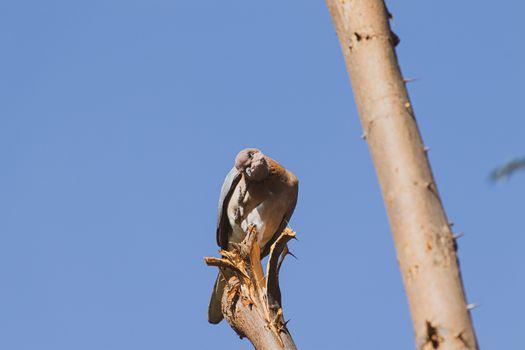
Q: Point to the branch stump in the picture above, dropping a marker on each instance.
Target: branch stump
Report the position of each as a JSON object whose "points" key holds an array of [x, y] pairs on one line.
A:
{"points": [[251, 302]]}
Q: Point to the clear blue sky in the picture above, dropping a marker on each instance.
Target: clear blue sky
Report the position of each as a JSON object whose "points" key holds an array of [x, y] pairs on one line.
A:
{"points": [[120, 119]]}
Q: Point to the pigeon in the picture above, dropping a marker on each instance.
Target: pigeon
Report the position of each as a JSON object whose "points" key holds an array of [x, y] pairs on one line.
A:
{"points": [[257, 191]]}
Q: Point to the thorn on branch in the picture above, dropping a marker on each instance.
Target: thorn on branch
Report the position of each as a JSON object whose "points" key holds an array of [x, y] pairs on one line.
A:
{"points": [[292, 254], [455, 240], [394, 39], [458, 235], [472, 306], [410, 80]]}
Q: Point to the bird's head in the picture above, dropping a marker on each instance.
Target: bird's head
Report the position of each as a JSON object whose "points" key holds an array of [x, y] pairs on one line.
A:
{"points": [[253, 164]]}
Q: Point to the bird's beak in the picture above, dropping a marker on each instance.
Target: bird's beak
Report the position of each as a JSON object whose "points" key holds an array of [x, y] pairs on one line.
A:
{"points": [[248, 171]]}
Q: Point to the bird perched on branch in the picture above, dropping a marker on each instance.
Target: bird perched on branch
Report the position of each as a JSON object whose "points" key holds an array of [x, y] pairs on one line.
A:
{"points": [[257, 191]]}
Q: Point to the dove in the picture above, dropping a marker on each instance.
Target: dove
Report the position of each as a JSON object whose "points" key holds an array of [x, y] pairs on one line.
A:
{"points": [[257, 191]]}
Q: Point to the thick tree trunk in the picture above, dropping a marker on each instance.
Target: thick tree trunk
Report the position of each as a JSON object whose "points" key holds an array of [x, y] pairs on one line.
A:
{"points": [[422, 234], [251, 303]]}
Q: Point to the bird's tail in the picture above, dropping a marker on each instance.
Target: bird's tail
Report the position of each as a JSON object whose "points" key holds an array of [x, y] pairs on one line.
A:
{"points": [[214, 309]]}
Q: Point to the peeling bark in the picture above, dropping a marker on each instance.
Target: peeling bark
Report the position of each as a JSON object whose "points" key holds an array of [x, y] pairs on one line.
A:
{"points": [[251, 302], [425, 245]]}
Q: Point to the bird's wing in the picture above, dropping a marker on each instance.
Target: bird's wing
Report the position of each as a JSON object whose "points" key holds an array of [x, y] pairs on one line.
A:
{"points": [[223, 224], [283, 224]]}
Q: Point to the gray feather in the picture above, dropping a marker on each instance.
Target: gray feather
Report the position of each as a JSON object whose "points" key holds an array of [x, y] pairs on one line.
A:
{"points": [[214, 308], [227, 189]]}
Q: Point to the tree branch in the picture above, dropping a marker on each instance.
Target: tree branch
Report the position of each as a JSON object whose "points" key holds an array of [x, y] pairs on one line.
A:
{"points": [[251, 303], [422, 235]]}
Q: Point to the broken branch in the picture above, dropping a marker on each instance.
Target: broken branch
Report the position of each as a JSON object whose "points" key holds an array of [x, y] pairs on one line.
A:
{"points": [[259, 315]]}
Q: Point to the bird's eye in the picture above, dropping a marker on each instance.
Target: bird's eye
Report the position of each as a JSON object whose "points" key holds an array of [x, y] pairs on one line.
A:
{"points": [[250, 155]]}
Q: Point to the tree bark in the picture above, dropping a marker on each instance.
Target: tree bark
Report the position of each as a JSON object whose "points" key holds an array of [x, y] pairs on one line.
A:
{"points": [[251, 303], [424, 242]]}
